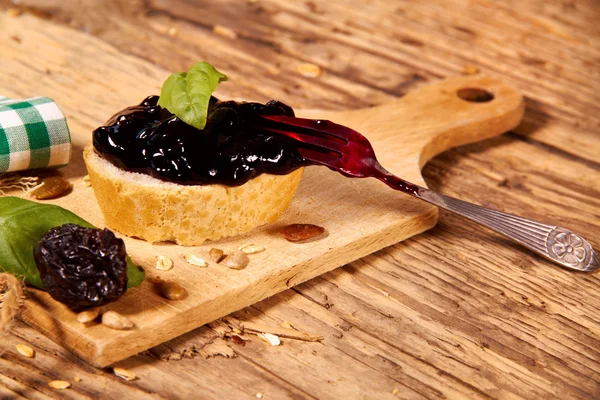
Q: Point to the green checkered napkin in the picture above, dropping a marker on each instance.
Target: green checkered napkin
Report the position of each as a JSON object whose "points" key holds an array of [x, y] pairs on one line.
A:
{"points": [[33, 134]]}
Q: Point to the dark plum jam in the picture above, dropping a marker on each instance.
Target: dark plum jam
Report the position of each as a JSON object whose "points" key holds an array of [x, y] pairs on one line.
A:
{"points": [[230, 150]]}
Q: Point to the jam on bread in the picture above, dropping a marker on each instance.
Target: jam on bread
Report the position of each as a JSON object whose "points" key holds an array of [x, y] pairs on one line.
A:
{"points": [[230, 150]]}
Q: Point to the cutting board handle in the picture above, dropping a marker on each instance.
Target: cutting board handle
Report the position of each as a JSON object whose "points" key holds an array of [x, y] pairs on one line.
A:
{"points": [[457, 111], [438, 116]]}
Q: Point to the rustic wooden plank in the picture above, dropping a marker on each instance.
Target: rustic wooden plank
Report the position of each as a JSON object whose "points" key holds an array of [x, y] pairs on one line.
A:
{"points": [[525, 41]]}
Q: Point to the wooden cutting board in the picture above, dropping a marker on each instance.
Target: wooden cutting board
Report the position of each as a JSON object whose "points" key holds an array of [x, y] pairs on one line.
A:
{"points": [[91, 80]]}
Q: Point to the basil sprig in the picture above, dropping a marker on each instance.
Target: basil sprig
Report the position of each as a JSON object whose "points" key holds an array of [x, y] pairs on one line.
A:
{"points": [[187, 94], [23, 223]]}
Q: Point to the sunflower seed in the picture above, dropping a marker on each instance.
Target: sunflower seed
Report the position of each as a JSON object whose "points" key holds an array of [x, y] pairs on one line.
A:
{"points": [[164, 263], [470, 70], [172, 31], [309, 70], [251, 248], [123, 373], [14, 12], [195, 260], [25, 350], [225, 31], [59, 385], [87, 316], [114, 320], [286, 325], [272, 339]]}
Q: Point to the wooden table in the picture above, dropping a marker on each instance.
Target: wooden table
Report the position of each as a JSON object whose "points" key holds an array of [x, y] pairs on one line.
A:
{"points": [[457, 312]]}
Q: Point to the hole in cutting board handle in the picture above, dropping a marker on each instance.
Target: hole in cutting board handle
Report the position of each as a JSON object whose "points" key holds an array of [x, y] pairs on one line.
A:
{"points": [[475, 95]]}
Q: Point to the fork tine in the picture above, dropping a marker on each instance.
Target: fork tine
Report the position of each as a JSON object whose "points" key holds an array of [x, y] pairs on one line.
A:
{"points": [[311, 141], [324, 127]]}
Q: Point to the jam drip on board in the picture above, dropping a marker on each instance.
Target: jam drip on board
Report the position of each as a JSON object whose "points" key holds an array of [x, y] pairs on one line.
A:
{"points": [[230, 150]]}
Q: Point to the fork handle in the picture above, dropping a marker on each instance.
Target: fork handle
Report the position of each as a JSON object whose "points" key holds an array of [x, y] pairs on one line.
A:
{"points": [[557, 244]]}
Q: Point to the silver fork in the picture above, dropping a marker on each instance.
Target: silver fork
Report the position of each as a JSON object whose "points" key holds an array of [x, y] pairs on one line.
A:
{"points": [[348, 152]]}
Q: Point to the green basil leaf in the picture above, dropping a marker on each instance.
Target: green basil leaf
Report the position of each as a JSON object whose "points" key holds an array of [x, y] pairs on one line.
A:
{"points": [[23, 223], [187, 94]]}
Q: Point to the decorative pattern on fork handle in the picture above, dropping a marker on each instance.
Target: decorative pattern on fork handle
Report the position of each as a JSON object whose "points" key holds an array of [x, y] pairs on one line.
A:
{"points": [[555, 243]]}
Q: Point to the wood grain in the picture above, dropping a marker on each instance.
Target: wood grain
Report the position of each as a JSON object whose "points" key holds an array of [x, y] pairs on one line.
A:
{"points": [[404, 133], [502, 323]]}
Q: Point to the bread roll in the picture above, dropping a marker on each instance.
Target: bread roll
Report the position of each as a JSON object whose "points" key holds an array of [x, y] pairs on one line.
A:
{"points": [[142, 206]]}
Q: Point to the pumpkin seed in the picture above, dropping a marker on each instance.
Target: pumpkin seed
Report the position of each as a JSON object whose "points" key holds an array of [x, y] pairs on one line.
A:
{"points": [[301, 232], [172, 290], [237, 260], [216, 254], [52, 186]]}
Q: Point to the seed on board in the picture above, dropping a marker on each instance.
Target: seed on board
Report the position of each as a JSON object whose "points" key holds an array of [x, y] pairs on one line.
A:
{"points": [[272, 339], [86, 181], [172, 290], [470, 70], [87, 316], [114, 320], [251, 248], [14, 12], [225, 31], [123, 373], [172, 31], [309, 70], [59, 385], [51, 187], [238, 340], [25, 350], [195, 260], [301, 232], [77, 379], [259, 395], [237, 260], [164, 263], [395, 391], [286, 325], [216, 254]]}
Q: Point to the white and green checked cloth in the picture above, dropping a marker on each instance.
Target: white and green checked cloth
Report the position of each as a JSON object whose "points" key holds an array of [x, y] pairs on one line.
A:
{"points": [[33, 134]]}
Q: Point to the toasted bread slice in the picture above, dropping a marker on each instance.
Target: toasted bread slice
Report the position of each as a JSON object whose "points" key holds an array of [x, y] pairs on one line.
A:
{"points": [[142, 206]]}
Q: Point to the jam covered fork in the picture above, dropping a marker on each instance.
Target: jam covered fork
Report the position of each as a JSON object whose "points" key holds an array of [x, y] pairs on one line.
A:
{"points": [[348, 152]]}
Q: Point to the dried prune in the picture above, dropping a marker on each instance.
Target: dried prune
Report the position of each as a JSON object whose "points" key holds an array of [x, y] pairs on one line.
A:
{"points": [[82, 267]]}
